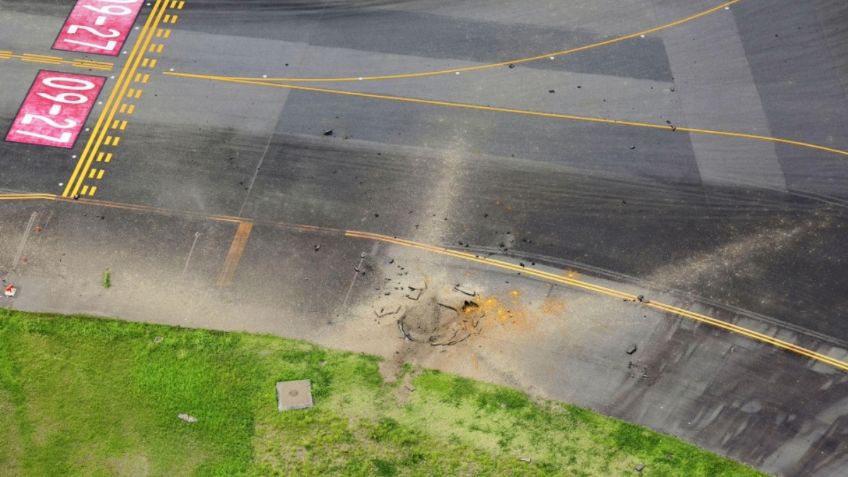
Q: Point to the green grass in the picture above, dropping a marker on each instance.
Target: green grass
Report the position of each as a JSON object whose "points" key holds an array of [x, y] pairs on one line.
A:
{"points": [[83, 396]]}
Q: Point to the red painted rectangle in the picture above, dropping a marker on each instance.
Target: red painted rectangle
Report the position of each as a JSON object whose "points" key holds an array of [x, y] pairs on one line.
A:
{"points": [[98, 26], [55, 109]]}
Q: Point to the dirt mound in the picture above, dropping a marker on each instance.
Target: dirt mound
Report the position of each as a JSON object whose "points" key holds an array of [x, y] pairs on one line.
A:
{"points": [[441, 321]]}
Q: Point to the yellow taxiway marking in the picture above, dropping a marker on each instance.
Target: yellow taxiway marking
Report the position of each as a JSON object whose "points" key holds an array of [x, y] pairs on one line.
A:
{"points": [[55, 60], [228, 272], [564, 278], [522, 112], [119, 91], [545, 56]]}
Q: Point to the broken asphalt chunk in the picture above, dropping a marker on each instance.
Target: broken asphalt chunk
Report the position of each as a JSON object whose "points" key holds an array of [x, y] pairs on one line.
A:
{"points": [[464, 290]]}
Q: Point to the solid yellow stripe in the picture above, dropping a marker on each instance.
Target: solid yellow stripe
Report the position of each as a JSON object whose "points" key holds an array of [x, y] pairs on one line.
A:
{"points": [[523, 112]]}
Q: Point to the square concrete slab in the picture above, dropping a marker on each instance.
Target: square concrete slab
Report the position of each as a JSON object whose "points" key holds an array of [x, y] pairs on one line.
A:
{"points": [[294, 395]]}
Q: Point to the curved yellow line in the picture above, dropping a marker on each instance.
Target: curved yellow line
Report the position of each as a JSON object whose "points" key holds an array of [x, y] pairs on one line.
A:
{"points": [[730, 327], [517, 61], [523, 112]]}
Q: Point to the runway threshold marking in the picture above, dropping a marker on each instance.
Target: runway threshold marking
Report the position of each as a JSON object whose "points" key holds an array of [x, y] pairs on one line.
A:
{"points": [[545, 56], [524, 112], [563, 278], [231, 263], [55, 60], [126, 90]]}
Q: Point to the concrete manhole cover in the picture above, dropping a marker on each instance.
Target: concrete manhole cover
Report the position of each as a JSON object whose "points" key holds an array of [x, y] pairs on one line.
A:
{"points": [[294, 395]]}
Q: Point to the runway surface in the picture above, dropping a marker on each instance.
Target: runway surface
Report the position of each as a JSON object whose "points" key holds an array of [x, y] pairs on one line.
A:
{"points": [[259, 153]]}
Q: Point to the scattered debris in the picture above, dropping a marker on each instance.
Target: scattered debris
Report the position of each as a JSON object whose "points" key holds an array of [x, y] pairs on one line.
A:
{"points": [[383, 311], [464, 291], [525, 459], [552, 91], [632, 349], [10, 290], [328, 132], [511, 66], [414, 293], [294, 395], [158, 339], [187, 418], [639, 467], [317, 247]]}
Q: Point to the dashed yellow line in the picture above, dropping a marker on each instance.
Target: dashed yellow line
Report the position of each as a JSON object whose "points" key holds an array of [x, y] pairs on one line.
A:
{"points": [[545, 56], [524, 112]]}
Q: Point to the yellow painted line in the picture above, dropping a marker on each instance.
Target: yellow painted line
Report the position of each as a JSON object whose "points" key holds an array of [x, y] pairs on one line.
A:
{"points": [[167, 34], [160, 47], [55, 60], [100, 156], [180, 4], [31, 59], [167, 19], [42, 57], [131, 109], [116, 140], [108, 158], [92, 173], [144, 78], [243, 232], [145, 62], [118, 92], [545, 56], [100, 174], [108, 141], [122, 125], [123, 108], [13, 197], [85, 190], [524, 112], [730, 327], [92, 191], [153, 63], [234, 254], [173, 19], [115, 124], [137, 94]]}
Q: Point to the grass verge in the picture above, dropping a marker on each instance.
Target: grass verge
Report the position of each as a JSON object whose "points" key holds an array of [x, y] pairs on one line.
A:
{"points": [[84, 396]]}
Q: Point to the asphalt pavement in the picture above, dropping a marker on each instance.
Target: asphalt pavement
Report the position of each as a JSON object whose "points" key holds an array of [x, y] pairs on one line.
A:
{"points": [[693, 149]]}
